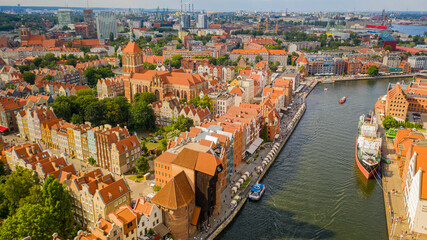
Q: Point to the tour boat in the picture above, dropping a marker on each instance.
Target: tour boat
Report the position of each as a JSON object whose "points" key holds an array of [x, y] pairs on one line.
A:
{"points": [[342, 100], [257, 191], [368, 145]]}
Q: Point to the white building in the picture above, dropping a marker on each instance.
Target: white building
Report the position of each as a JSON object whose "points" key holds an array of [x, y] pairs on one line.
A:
{"points": [[202, 21], [415, 193], [106, 24], [150, 216], [418, 62]]}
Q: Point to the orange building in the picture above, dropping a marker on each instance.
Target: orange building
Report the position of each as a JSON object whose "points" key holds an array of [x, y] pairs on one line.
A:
{"points": [[162, 83], [402, 98], [402, 143], [163, 168], [177, 200]]}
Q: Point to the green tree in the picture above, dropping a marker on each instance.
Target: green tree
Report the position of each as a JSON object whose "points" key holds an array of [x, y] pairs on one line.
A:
{"points": [[30, 220], [77, 118], [23, 68], [37, 61], [176, 61], [17, 187], [29, 77], [92, 75], [95, 113], [70, 43], [111, 37], [83, 92], [149, 66], [124, 108], [63, 107], [205, 102], [144, 149], [164, 143], [147, 97], [388, 48], [91, 161], [48, 77], [389, 122], [142, 165], [71, 62], [2, 169], [258, 58], [59, 204], [372, 70], [142, 116]]}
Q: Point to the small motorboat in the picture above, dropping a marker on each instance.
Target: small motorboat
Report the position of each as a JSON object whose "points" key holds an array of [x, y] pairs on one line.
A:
{"points": [[257, 191], [326, 89], [342, 100]]}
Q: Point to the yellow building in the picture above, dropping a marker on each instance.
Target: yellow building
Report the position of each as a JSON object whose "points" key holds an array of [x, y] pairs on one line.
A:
{"points": [[71, 143]]}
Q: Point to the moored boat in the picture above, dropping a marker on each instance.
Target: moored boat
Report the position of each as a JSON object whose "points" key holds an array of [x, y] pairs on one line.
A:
{"points": [[368, 146], [257, 191], [342, 100]]}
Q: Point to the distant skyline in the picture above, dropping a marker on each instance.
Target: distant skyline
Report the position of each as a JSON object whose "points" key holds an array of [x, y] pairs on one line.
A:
{"points": [[233, 5]]}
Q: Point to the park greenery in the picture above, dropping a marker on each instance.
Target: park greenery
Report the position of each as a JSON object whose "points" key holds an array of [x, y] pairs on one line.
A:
{"points": [[85, 107], [31, 208], [92, 75], [391, 122]]}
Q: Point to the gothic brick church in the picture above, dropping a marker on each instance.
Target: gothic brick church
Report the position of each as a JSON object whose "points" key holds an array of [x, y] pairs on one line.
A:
{"points": [[165, 84]]}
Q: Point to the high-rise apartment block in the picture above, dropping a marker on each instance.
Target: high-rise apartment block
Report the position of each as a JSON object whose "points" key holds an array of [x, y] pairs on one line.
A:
{"points": [[106, 24], [202, 21], [89, 20], [65, 17]]}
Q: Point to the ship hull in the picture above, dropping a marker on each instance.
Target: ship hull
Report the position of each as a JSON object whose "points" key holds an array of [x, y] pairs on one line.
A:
{"points": [[367, 171]]}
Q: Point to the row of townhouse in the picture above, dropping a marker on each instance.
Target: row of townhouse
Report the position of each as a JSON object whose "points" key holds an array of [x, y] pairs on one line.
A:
{"points": [[127, 223], [111, 147], [99, 63], [63, 74], [23, 52], [94, 194], [168, 110], [201, 161], [322, 64], [280, 56], [110, 87], [22, 89]]}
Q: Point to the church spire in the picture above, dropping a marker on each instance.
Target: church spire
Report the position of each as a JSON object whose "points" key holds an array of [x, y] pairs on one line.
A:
{"points": [[131, 34]]}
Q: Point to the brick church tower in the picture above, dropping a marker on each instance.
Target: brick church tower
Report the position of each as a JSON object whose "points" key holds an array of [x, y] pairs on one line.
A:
{"points": [[132, 58], [132, 62]]}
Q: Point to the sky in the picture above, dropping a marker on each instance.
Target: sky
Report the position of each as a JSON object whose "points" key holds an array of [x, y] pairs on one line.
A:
{"points": [[233, 5]]}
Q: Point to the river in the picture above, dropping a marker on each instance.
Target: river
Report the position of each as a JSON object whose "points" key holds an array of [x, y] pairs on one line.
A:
{"points": [[314, 190], [410, 29]]}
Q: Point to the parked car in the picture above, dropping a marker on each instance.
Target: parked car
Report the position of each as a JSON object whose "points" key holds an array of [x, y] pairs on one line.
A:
{"points": [[142, 138], [158, 137], [416, 114], [153, 141]]}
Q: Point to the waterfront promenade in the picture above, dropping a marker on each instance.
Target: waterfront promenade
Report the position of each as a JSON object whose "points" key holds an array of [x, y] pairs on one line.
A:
{"points": [[396, 218], [331, 79], [215, 225]]}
